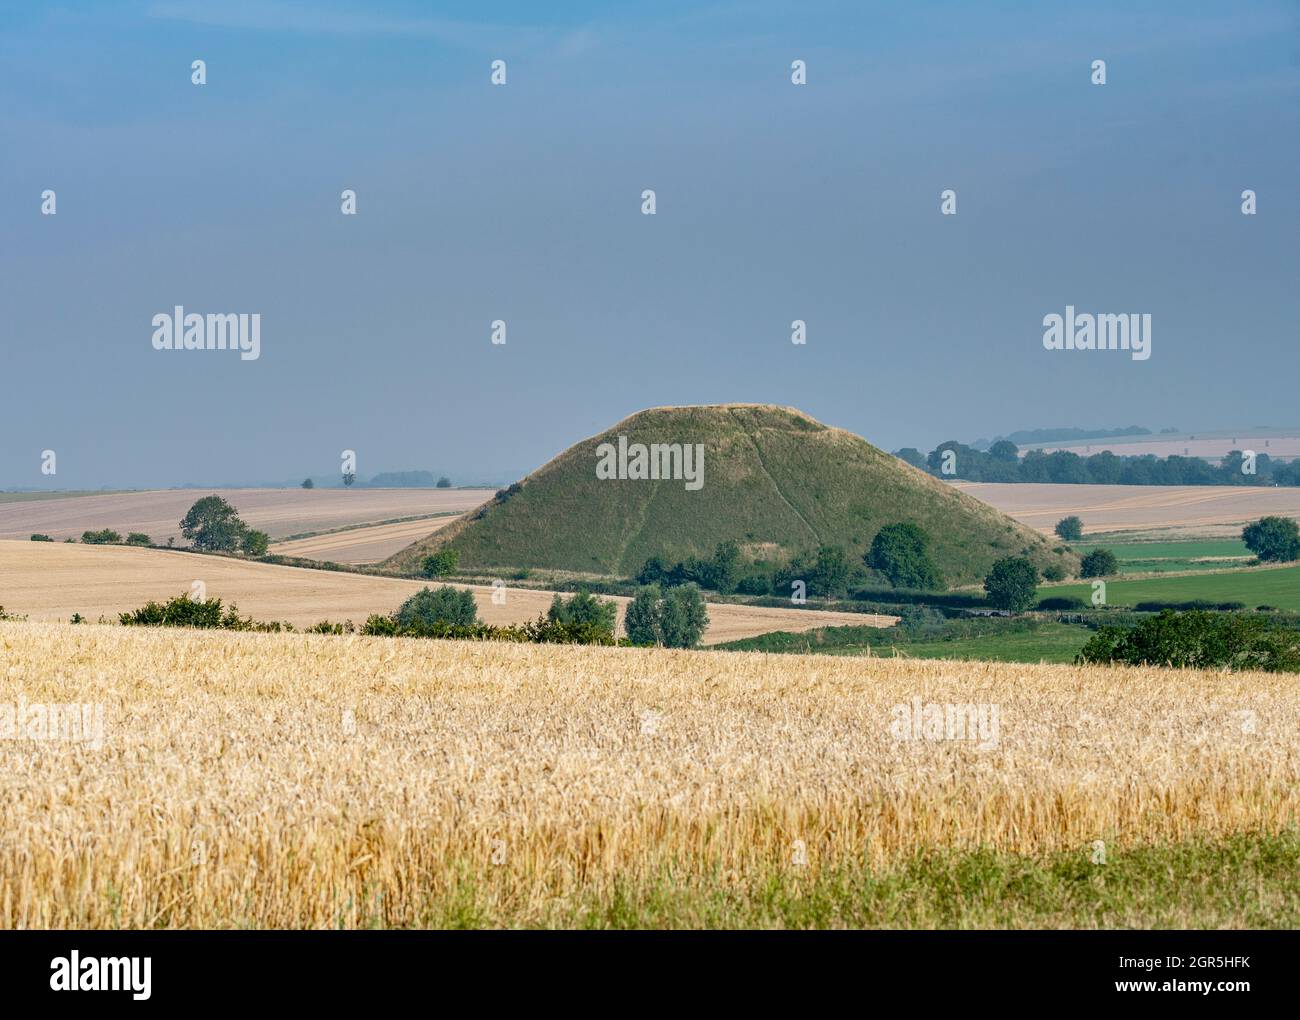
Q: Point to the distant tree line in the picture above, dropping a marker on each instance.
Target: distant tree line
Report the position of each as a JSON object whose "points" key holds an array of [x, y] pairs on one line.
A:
{"points": [[1002, 463]]}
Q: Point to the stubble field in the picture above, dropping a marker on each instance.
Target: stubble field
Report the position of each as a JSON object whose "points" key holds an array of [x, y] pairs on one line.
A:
{"points": [[278, 512], [309, 781], [45, 581], [1214, 509]]}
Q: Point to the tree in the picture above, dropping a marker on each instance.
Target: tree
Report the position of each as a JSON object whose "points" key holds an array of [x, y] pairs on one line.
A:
{"points": [[831, 573], [642, 621], [213, 525], [655, 571], [1012, 584], [448, 605], [1198, 640], [584, 608], [1005, 451], [138, 538], [441, 563], [106, 537], [38, 537], [1273, 539], [911, 455], [254, 542], [444, 483], [683, 617], [349, 477], [307, 483], [901, 553], [723, 571], [1099, 563], [1070, 528]]}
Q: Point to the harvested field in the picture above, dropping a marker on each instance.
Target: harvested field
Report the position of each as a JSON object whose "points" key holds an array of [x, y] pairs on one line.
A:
{"points": [[310, 781], [278, 512], [1130, 507], [368, 544], [52, 581]]}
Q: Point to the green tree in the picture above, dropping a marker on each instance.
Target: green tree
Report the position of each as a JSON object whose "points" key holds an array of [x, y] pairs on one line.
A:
{"points": [[831, 573], [138, 538], [724, 569], [1070, 528], [254, 542], [41, 538], [307, 483], [453, 606], [683, 617], [1099, 563], [1012, 584], [1273, 539], [1005, 451], [584, 608], [441, 563], [902, 553], [349, 477], [444, 483], [642, 621], [213, 525]]}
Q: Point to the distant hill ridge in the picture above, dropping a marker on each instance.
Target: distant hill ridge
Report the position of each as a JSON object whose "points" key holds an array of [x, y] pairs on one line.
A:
{"points": [[774, 480]]}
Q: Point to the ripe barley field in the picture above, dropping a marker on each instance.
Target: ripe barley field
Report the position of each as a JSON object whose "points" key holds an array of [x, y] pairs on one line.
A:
{"points": [[309, 781]]}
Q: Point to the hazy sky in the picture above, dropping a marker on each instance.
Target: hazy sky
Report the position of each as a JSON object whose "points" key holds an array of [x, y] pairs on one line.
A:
{"points": [[775, 202]]}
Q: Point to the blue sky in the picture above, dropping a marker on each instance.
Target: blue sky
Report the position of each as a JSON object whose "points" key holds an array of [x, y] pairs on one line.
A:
{"points": [[522, 203]]}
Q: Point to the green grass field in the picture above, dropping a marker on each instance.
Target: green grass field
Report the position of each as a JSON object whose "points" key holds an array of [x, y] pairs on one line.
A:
{"points": [[1253, 586], [1162, 557], [1044, 642]]}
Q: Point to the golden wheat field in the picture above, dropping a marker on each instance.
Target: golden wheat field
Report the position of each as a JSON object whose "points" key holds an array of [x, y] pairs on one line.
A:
{"points": [[52, 581], [312, 781]]}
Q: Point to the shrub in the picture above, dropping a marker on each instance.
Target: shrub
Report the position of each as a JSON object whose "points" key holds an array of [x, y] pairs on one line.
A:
{"points": [[444, 483], [41, 538], [138, 538], [1099, 563], [755, 584], [106, 537], [446, 605], [1012, 584], [1062, 603], [584, 609], [1275, 539], [183, 611], [1198, 640], [1054, 572], [441, 563], [901, 553], [1070, 528]]}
